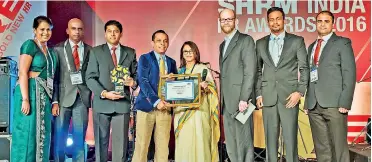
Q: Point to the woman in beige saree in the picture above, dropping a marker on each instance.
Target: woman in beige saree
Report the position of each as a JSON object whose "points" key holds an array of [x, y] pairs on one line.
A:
{"points": [[197, 130]]}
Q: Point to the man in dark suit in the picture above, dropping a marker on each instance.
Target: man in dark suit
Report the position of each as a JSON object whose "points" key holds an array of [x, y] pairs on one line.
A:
{"points": [[238, 72], [279, 87], [73, 95], [110, 107], [151, 110], [330, 91]]}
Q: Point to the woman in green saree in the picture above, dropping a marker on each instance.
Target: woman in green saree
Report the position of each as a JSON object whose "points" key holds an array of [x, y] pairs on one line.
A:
{"points": [[197, 130], [33, 95]]}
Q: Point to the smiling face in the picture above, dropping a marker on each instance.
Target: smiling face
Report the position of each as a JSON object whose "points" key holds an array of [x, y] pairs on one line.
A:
{"points": [[160, 43], [43, 32], [276, 22], [113, 34], [188, 53]]}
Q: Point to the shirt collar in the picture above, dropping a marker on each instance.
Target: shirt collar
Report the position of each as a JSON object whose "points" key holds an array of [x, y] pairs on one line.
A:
{"points": [[72, 44], [229, 37], [326, 38], [280, 36], [110, 46], [159, 55]]}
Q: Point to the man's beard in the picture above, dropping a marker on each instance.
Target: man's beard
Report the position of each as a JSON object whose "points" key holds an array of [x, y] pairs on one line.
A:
{"points": [[228, 29]]}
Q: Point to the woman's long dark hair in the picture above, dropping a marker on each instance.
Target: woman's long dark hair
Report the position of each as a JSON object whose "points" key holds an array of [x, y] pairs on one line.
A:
{"points": [[194, 48]]}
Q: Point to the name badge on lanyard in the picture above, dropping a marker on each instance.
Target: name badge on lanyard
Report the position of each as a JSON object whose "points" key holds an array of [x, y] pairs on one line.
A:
{"points": [[76, 78], [313, 74]]}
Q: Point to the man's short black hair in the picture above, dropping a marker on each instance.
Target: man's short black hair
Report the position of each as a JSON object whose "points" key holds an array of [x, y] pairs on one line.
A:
{"points": [[114, 22], [272, 9], [158, 31]]}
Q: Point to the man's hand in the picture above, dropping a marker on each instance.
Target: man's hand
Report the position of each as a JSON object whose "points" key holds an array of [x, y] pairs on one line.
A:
{"points": [[129, 82], [306, 111], [293, 99], [55, 109], [112, 95], [243, 106], [161, 105], [343, 110], [259, 102], [170, 77]]}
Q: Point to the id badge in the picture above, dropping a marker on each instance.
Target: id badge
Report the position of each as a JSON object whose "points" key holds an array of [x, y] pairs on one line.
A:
{"points": [[50, 83], [76, 78], [313, 75]]}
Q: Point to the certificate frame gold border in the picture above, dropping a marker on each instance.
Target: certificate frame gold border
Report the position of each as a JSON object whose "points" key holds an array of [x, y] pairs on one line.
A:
{"points": [[163, 79]]}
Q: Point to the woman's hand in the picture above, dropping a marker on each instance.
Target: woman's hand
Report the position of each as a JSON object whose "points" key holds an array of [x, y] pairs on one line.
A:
{"points": [[204, 84], [25, 107]]}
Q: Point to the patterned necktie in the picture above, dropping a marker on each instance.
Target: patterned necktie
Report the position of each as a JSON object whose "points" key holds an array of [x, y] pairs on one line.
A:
{"points": [[161, 66], [275, 51], [113, 55], [75, 54], [317, 51]]}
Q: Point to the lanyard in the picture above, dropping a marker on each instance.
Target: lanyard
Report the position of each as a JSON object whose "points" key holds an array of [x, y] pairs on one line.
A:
{"points": [[65, 54], [46, 57]]}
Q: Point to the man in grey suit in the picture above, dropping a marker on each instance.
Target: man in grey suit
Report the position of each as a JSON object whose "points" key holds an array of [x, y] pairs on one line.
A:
{"points": [[238, 70], [279, 88], [110, 107], [330, 92], [73, 95]]}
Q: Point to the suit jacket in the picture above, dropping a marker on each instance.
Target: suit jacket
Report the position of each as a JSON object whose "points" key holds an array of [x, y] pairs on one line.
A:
{"points": [[148, 80], [65, 91], [336, 75], [237, 71], [98, 77], [278, 82]]}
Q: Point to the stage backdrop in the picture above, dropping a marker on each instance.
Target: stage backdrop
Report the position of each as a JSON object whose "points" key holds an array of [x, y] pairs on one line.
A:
{"points": [[16, 18], [198, 21]]}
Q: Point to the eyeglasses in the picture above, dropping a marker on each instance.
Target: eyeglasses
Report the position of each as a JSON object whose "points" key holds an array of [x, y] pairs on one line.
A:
{"points": [[227, 20], [187, 52]]}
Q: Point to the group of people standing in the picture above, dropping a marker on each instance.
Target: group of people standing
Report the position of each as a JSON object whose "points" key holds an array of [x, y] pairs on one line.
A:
{"points": [[273, 73]]}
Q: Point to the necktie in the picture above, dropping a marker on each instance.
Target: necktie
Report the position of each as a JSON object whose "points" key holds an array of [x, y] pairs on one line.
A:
{"points": [[75, 54], [113, 55], [275, 51], [317, 51], [161, 66]]}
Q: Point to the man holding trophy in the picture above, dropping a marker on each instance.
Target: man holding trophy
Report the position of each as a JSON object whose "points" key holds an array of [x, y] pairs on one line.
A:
{"points": [[111, 72], [151, 108]]}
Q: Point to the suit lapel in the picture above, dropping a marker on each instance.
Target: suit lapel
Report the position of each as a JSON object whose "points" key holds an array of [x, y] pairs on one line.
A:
{"points": [[155, 62], [268, 55], [123, 54], [286, 46], [69, 56], [85, 51], [221, 51], [327, 47], [107, 52], [231, 45], [309, 53], [169, 65]]}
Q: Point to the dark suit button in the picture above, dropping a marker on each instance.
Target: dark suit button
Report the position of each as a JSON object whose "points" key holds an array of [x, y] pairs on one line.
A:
{"points": [[276, 70]]}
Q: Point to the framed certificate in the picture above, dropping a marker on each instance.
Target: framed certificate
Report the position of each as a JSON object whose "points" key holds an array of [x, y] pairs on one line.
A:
{"points": [[180, 90]]}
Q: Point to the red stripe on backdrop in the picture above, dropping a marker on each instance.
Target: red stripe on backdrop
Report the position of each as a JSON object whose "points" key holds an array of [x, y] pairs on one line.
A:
{"points": [[358, 118], [359, 139], [354, 128]]}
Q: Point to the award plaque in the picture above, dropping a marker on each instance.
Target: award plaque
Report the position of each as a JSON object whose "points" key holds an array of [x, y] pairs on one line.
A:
{"points": [[118, 76], [180, 90]]}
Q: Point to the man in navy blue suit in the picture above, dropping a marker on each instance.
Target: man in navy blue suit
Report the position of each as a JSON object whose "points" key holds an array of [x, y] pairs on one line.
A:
{"points": [[151, 110]]}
